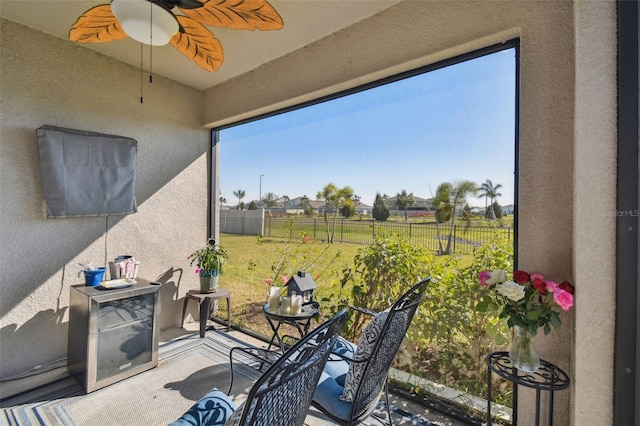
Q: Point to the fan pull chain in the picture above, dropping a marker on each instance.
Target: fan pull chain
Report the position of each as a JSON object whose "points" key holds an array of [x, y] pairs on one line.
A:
{"points": [[150, 63], [141, 72], [150, 42]]}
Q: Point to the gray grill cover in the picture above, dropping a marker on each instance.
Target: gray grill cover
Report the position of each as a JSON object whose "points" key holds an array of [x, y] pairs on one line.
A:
{"points": [[87, 173]]}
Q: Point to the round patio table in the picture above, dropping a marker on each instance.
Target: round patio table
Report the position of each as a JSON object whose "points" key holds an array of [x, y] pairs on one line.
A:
{"points": [[301, 321]]}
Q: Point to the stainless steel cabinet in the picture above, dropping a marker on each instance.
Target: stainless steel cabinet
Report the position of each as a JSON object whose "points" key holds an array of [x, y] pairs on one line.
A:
{"points": [[113, 334]]}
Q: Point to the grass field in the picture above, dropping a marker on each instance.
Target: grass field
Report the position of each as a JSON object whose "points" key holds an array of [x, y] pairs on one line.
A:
{"points": [[247, 287], [467, 235]]}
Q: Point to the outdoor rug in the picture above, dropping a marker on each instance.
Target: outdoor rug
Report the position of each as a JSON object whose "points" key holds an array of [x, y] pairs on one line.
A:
{"points": [[187, 369]]}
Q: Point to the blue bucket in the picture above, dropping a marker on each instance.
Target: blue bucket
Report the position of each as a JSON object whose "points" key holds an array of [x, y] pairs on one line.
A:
{"points": [[94, 278]]}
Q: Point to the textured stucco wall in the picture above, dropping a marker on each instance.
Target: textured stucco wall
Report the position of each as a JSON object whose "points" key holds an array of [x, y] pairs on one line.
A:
{"points": [[45, 80], [566, 151], [594, 210]]}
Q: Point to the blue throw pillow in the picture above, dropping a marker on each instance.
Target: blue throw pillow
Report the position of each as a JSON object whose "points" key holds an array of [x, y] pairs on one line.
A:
{"points": [[211, 410]]}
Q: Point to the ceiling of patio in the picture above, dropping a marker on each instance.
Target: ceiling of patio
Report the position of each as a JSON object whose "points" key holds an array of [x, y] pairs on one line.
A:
{"points": [[305, 21]]}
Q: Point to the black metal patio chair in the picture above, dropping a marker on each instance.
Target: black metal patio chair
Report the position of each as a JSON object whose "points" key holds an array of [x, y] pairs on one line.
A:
{"points": [[352, 383], [282, 395]]}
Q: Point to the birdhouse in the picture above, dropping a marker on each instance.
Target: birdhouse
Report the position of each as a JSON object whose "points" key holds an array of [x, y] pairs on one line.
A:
{"points": [[301, 284]]}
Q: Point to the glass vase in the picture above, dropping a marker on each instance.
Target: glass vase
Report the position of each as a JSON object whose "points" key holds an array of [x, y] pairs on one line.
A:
{"points": [[523, 353]]}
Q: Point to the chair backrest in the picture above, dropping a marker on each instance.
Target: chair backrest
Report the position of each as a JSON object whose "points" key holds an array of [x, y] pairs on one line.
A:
{"points": [[283, 394], [392, 333]]}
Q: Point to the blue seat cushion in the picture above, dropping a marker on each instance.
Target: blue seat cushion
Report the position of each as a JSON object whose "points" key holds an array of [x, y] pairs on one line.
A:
{"points": [[344, 348], [336, 366], [211, 410], [327, 395], [339, 379]]}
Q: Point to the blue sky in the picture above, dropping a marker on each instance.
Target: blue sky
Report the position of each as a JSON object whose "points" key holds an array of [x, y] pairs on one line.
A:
{"points": [[455, 123]]}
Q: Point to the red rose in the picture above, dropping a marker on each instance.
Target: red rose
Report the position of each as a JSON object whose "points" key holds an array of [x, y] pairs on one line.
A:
{"points": [[540, 285], [521, 277], [566, 286]]}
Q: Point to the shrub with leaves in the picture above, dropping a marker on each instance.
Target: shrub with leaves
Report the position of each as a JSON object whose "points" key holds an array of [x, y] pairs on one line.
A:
{"points": [[383, 271], [449, 330], [448, 338]]}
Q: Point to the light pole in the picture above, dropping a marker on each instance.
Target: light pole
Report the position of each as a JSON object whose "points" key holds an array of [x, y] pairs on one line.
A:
{"points": [[260, 194]]}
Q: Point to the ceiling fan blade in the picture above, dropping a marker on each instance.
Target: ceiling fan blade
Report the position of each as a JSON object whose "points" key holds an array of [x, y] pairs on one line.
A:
{"points": [[182, 4], [237, 14], [198, 44], [97, 25]]}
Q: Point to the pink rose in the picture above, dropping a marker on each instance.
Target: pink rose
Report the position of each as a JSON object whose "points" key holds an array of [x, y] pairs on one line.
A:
{"points": [[552, 286], [483, 276], [285, 278], [267, 281], [563, 298], [537, 276]]}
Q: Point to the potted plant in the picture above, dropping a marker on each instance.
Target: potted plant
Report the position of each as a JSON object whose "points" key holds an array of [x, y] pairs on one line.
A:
{"points": [[209, 260]]}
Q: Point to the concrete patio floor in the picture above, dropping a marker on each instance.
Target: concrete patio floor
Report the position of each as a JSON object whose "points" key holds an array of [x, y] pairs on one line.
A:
{"points": [[192, 327], [437, 418]]}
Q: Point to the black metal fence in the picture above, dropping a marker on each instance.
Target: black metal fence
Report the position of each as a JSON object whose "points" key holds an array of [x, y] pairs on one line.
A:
{"points": [[463, 238]]}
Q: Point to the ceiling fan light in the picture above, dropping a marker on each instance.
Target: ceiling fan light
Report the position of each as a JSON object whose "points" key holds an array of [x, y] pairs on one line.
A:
{"points": [[145, 21]]}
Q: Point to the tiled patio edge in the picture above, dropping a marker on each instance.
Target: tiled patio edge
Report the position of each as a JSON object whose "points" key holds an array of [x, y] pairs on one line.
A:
{"points": [[453, 396]]}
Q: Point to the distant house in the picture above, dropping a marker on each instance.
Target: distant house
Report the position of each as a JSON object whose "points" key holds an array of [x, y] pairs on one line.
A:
{"points": [[478, 210], [297, 205], [508, 209], [419, 204], [363, 209], [359, 208]]}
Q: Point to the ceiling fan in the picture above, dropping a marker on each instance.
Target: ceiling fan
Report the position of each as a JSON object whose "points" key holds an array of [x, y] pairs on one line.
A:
{"points": [[153, 22]]}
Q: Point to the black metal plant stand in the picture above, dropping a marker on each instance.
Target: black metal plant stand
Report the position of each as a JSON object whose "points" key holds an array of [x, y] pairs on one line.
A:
{"points": [[547, 378]]}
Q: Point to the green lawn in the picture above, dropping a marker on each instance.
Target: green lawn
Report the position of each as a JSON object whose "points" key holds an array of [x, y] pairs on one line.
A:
{"points": [[247, 287], [421, 231]]}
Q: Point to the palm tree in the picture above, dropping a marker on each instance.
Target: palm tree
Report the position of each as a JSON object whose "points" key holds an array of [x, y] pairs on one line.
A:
{"points": [[240, 194], [270, 200], [327, 194], [343, 196], [484, 192], [449, 197], [493, 194], [333, 198], [488, 189], [404, 201]]}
